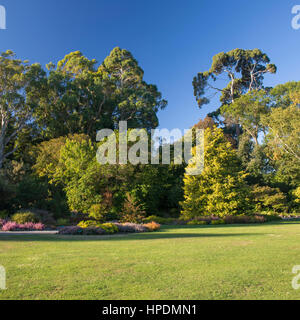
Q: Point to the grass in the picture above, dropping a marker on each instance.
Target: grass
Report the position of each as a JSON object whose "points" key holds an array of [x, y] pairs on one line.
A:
{"points": [[190, 262]]}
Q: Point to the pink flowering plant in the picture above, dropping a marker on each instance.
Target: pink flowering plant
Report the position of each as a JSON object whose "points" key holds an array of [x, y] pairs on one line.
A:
{"points": [[29, 226]]}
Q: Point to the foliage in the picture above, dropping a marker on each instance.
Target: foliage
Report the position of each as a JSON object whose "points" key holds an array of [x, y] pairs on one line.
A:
{"points": [[20, 84], [87, 98], [220, 189], [266, 198], [197, 223], [88, 224], [24, 217], [217, 222], [28, 226], [131, 227], [99, 212], [152, 226], [160, 220], [283, 141], [132, 211], [62, 222]]}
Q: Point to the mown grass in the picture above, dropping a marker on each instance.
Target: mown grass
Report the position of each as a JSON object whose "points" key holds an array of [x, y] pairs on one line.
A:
{"points": [[207, 262]]}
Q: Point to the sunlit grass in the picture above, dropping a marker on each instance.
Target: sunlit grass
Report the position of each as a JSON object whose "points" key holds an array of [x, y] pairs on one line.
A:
{"points": [[221, 262]]}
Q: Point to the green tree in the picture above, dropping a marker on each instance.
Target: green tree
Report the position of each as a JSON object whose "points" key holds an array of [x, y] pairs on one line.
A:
{"points": [[20, 85], [283, 140], [84, 98], [220, 189]]}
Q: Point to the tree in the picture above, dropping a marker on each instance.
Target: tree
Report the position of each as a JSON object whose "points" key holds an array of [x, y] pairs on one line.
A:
{"points": [[84, 98], [131, 99], [20, 84], [247, 111], [244, 69], [283, 140], [220, 189], [270, 199]]}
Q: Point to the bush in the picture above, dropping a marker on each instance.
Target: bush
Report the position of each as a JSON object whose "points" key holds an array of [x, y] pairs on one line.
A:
{"points": [[74, 230], [24, 217], [160, 220], [109, 227], [197, 223], [132, 211], [152, 226], [29, 226], [88, 224], [44, 216], [217, 222], [2, 223], [62, 222], [131, 227], [4, 214], [98, 212]]}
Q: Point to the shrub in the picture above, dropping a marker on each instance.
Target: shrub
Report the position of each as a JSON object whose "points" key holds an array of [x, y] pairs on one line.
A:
{"points": [[94, 231], [109, 227], [2, 223], [160, 220], [62, 222], [29, 226], [152, 226], [74, 230], [217, 222], [88, 224], [24, 217], [267, 198], [44, 216], [197, 223], [4, 214], [98, 212], [131, 227], [132, 211]]}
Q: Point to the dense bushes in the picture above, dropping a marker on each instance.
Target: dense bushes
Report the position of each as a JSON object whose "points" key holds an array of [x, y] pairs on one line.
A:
{"points": [[109, 228], [29, 226], [24, 217]]}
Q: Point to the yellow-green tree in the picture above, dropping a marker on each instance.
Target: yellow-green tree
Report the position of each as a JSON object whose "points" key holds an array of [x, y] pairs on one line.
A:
{"points": [[220, 189]]}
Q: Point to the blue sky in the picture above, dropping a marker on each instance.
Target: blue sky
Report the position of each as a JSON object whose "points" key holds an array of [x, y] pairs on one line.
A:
{"points": [[172, 40]]}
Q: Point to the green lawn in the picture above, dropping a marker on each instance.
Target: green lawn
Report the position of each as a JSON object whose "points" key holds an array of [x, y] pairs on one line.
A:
{"points": [[221, 262]]}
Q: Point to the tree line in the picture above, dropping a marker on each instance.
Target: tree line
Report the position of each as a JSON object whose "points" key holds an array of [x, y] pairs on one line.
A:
{"points": [[49, 119]]}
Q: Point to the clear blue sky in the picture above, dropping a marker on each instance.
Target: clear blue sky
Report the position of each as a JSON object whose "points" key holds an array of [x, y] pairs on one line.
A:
{"points": [[172, 40]]}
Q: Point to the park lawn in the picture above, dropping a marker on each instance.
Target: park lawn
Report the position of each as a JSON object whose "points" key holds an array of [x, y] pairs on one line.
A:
{"points": [[196, 262]]}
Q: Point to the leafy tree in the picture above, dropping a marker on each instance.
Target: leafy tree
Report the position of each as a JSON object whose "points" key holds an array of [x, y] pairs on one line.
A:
{"points": [[220, 189], [20, 84], [247, 111], [270, 199], [81, 98], [245, 70], [283, 142]]}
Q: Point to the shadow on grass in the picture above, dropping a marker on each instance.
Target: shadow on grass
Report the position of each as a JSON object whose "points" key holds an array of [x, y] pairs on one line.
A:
{"points": [[162, 235]]}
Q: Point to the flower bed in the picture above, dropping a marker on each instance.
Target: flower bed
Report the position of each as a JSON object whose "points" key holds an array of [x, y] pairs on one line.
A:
{"points": [[14, 226], [108, 228]]}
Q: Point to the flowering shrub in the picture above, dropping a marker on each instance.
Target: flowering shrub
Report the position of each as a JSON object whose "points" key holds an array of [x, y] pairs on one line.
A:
{"points": [[74, 230], [29, 226], [131, 227], [2, 222], [152, 226]]}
